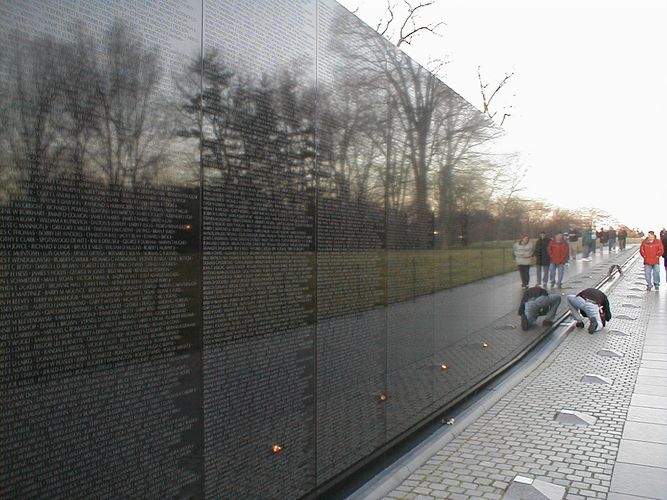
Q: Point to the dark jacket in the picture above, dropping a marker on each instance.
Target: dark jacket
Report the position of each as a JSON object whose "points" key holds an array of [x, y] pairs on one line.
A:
{"points": [[531, 293], [664, 248], [603, 236], [541, 252], [598, 297]]}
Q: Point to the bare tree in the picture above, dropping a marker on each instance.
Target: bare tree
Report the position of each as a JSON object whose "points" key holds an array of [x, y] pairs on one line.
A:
{"points": [[487, 97], [401, 24]]}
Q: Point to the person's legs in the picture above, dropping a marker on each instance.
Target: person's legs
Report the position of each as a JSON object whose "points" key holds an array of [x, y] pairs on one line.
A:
{"points": [[552, 273], [524, 271], [573, 249], [561, 270], [549, 303], [593, 313], [545, 274], [648, 271], [575, 303], [656, 276], [531, 311], [586, 250]]}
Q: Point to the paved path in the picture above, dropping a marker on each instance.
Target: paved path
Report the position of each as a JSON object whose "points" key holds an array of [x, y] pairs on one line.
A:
{"points": [[617, 378]]}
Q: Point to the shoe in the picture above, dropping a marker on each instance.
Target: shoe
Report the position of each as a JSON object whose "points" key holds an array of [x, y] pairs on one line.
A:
{"points": [[593, 326], [579, 324], [648, 288], [553, 285], [586, 260], [524, 323], [657, 287], [547, 322], [560, 286]]}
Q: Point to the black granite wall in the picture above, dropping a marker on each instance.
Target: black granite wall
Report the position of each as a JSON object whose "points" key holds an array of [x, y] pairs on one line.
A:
{"points": [[224, 228]]}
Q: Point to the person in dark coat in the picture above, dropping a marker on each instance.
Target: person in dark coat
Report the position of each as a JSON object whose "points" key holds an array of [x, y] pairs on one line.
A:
{"points": [[593, 304], [663, 238], [622, 237], [541, 253], [603, 239], [536, 301]]}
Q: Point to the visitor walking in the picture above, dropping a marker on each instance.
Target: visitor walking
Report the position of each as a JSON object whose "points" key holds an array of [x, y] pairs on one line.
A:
{"points": [[651, 249], [573, 241], [622, 237], [522, 252], [558, 254], [603, 239], [612, 239], [587, 243], [541, 253]]}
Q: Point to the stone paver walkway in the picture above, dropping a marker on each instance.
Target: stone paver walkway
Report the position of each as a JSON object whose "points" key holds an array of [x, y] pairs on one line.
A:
{"points": [[613, 376]]}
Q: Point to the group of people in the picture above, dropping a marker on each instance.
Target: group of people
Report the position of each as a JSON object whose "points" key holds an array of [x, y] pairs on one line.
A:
{"points": [[590, 302], [551, 255], [605, 237]]}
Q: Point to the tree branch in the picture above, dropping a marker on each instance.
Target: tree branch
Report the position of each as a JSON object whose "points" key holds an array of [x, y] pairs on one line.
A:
{"points": [[402, 36]]}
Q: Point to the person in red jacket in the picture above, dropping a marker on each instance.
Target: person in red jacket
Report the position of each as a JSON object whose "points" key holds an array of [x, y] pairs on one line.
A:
{"points": [[651, 249], [559, 251]]}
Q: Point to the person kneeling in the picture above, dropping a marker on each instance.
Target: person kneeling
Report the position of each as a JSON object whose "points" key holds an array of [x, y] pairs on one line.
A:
{"points": [[593, 304], [536, 301]]}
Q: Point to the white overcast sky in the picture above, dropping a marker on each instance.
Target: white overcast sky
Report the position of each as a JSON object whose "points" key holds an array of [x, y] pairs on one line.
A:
{"points": [[588, 95]]}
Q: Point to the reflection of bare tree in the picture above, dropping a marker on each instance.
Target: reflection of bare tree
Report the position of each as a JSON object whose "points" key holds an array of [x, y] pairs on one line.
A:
{"points": [[131, 137], [253, 134], [73, 113], [79, 100], [461, 132], [423, 126], [33, 126]]}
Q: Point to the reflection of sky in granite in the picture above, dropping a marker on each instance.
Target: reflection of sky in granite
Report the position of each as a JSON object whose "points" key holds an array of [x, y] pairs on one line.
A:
{"points": [[174, 25], [262, 37], [171, 26]]}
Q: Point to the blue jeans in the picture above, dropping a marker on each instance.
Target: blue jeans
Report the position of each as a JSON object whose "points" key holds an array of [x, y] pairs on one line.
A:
{"points": [[542, 274], [652, 269], [549, 303], [577, 304], [552, 273], [587, 249]]}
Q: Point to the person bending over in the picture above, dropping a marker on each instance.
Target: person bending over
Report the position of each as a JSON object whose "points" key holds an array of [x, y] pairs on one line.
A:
{"points": [[536, 301], [593, 304]]}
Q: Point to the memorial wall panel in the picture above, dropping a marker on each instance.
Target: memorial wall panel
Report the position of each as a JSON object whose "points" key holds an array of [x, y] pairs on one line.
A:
{"points": [[259, 210], [99, 214], [351, 347], [238, 246]]}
